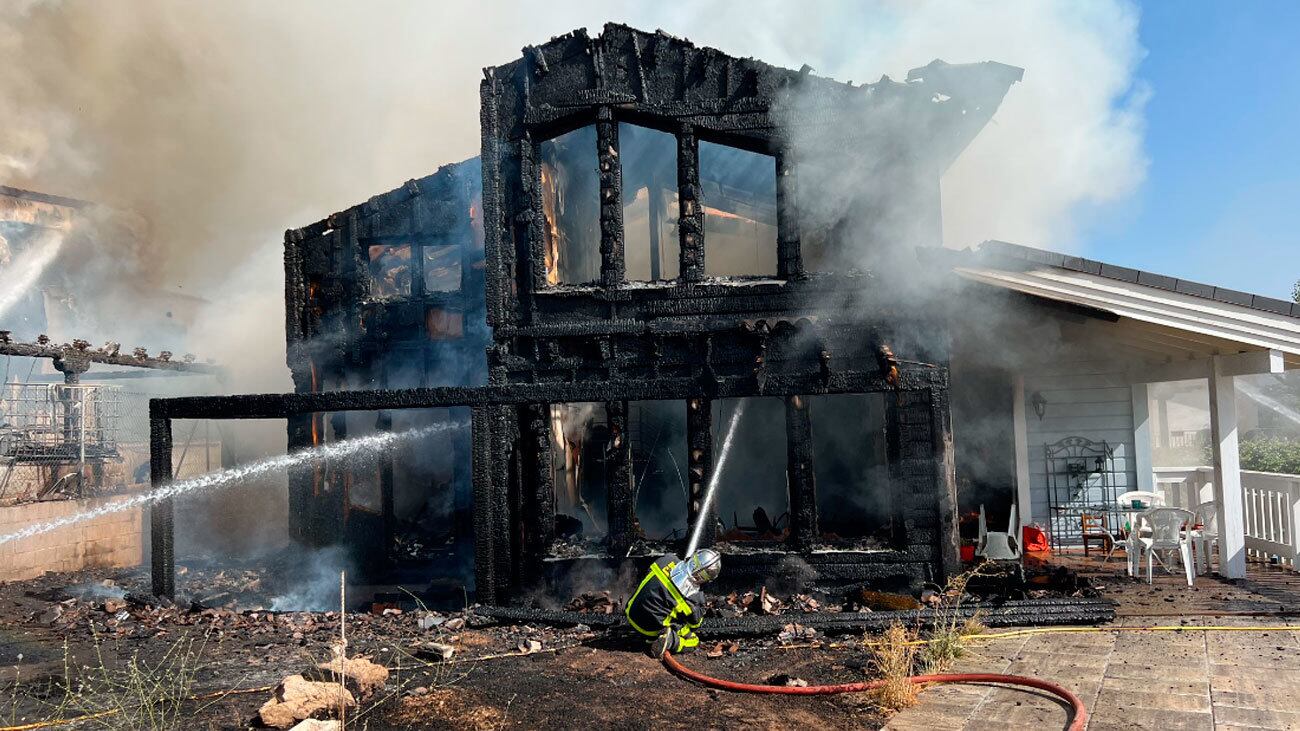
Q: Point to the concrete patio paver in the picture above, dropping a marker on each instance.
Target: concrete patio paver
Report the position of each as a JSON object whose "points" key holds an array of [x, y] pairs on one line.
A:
{"points": [[1188, 679]]}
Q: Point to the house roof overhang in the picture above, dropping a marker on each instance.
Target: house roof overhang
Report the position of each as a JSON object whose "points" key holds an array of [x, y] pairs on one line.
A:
{"points": [[1168, 326]]}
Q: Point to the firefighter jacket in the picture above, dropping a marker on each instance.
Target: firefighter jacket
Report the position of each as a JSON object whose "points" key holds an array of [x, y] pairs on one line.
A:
{"points": [[658, 603]]}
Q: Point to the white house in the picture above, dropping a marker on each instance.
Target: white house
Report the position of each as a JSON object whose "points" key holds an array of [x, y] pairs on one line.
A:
{"points": [[1066, 348]]}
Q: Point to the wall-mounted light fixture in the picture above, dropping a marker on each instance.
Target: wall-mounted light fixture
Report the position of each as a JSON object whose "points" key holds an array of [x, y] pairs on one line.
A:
{"points": [[1039, 402]]}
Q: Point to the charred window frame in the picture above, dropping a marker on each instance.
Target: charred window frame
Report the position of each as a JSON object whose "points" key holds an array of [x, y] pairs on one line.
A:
{"points": [[434, 267], [690, 217]]}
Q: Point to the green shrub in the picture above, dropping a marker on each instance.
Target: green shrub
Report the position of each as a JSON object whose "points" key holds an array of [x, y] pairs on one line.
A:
{"points": [[1265, 454]]}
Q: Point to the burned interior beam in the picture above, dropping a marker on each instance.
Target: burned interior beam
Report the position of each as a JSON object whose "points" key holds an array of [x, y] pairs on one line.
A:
{"points": [[539, 518], [485, 542], [620, 499], [789, 258], [800, 475], [699, 468]]}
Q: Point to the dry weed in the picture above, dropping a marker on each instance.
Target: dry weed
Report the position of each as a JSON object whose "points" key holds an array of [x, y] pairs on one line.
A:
{"points": [[894, 657]]}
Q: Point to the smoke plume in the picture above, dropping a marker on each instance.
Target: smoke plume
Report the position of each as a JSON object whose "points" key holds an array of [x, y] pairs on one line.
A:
{"points": [[222, 124]]}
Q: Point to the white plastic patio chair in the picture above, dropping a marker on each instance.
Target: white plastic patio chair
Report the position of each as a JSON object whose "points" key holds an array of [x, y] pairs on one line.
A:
{"points": [[1207, 535], [1128, 527], [997, 546], [1166, 534]]}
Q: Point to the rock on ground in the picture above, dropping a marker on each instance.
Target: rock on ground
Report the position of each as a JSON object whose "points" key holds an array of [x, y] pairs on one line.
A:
{"points": [[313, 724], [368, 676], [297, 699]]}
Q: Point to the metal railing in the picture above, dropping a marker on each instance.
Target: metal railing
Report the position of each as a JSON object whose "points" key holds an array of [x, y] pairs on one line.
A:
{"points": [[47, 426]]}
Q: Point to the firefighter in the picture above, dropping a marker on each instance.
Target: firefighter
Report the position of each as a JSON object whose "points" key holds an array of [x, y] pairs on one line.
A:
{"points": [[668, 605]]}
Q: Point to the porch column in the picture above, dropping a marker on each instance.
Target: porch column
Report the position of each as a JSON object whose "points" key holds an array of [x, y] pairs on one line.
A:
{"points": [[1146, 480], [1227, 473]]}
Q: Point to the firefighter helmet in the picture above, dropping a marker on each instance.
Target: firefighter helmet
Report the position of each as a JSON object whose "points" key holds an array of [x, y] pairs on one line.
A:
{"points": [[705, 565]]}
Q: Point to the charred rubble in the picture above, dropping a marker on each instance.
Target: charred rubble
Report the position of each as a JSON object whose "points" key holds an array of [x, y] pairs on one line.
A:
{"points": [[625, 265]]}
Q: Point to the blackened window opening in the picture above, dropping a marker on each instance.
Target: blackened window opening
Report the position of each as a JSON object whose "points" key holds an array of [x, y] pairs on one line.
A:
{"points": [[738, 198], [752, 499], [569, 181], [651, 248], [390, 270], [849, 442], [580, 445], [657, 430], [442, 268]]}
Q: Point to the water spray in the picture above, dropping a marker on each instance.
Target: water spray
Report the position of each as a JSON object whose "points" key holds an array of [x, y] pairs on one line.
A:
{"points": [[26, 268], [713, 479], [370, 444], [1254, 393]]}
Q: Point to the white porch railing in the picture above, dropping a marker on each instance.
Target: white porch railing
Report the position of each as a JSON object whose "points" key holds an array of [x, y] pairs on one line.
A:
{"points": [[1272, 507]]}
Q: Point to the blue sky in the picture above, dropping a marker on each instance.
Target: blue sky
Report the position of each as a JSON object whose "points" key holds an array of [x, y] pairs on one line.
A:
{"points": [[1221, 203]]}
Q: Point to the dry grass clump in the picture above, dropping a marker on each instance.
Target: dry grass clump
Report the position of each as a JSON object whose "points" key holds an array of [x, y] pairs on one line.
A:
{"points": [[457, 707], [894, 657]]}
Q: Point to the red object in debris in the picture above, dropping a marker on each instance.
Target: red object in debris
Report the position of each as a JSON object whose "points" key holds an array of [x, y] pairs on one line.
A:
{"points": [[968, 553], [1035, 539]]}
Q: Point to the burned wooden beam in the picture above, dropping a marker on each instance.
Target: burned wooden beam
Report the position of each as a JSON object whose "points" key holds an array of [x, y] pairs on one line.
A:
{"points": [[1042, 613], [699, 468], [107, 356], [612, 265], [282, 405], [539, 518], [690, 220], [620, 498], [948, 538], [162, 525], [801, 477], [789, 257]]}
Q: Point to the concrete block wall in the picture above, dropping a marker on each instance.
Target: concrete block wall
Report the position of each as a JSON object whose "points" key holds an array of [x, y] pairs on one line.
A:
{"points": [[114, 540]]}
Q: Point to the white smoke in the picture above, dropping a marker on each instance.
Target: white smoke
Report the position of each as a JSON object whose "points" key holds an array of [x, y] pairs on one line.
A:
{"points": [[225, 123]]}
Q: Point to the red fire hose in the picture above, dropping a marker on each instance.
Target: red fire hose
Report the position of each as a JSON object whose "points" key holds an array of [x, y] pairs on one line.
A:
{"points": [[1078, 722]]}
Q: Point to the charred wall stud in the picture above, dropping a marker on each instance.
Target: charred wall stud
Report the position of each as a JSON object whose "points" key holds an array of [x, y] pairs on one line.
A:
{"points": [[162, 526], [800, 474], [612, 265], [621, 492], [789, 257], [690, 221], [699, 467], [539, 518]]}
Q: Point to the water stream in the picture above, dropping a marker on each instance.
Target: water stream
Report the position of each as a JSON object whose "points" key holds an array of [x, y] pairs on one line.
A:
{"points": [[713, 479], [26, 268], [368, 445], [1254, 393]]}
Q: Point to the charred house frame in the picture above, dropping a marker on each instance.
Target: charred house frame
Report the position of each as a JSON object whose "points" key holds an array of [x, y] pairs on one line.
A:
{"points": [[681, 331]]}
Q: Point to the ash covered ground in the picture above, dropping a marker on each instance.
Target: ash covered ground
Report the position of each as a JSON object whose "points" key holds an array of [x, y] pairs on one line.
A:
{"points": [[453, 669], [77, 644]]}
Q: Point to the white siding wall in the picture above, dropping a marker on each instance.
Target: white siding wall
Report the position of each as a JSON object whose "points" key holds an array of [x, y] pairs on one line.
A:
{"points": [[1085, 398]]}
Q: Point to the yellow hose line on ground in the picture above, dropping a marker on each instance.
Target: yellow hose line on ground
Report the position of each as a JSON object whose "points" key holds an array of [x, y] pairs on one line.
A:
{"points": [[1064, 630], [1158, 628]]}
